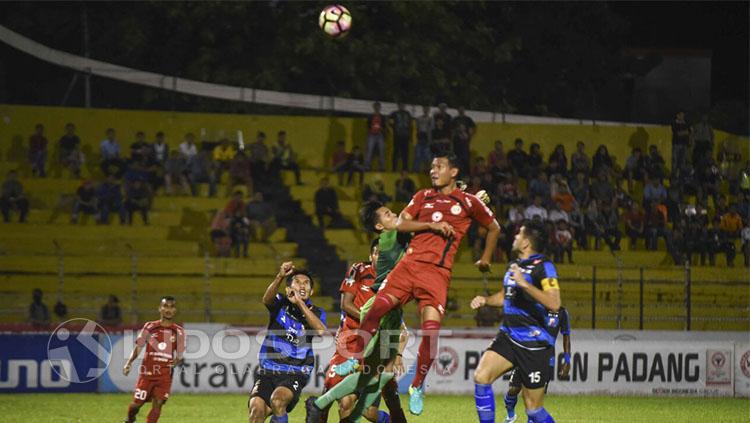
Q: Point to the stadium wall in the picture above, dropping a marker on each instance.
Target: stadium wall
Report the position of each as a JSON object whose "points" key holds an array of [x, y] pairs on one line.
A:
{"points": [[314, 138], [221, 359]]}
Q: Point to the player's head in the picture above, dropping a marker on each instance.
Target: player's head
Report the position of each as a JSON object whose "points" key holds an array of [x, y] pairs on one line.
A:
{"points": [[531, 237], [445, 168], [374, 251], [301, 282], [167, 307], [377, 218]]}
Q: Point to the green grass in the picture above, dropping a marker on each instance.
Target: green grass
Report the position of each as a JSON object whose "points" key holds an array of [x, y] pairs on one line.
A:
{"points": [[187, 408]]}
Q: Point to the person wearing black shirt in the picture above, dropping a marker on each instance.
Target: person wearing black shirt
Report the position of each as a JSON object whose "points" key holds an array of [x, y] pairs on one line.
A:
{"points": [[517, 159], [463, 131], [680, 142], [85, 201], [401, 123], [12, 197], [326, 203], [70, 155]]}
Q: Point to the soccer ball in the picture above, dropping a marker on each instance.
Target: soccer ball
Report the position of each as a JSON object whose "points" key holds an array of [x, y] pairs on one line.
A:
{"points": [[335, 20]]}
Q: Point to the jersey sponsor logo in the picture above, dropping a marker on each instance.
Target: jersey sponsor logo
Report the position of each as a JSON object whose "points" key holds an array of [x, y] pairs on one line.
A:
{"points": [[437, 216], [364, 288], [456, 209], [429, 206]]}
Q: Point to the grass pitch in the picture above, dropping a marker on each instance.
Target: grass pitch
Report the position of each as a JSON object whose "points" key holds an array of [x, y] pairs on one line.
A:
{"points": [[189, 408]]}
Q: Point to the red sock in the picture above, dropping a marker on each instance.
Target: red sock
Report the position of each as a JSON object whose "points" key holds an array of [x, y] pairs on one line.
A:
{"points": [[370, 324], [132, 411], [153, 415], [427, 350]]}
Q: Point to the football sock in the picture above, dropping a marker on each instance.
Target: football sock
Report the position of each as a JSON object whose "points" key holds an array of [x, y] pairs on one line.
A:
{"points": [[282, 419], [427, 351], [383, 417], [485, 402], [390, 395], [539, 415], [153, 415], [510, 404], [132, 411]]}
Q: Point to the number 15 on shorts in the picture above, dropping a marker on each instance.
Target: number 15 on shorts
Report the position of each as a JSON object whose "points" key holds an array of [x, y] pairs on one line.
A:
{"points": [[535, 377]]}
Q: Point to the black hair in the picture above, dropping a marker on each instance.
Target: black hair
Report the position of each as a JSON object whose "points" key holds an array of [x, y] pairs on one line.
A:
{"points": [[375, 242], [368, 215], [167, 298], [440, 151], [536, 232], [303, 272]]}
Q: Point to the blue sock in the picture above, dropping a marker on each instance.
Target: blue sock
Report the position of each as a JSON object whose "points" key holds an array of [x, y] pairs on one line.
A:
{"points": [[282, 419], [383, 417], [485, 401], [540, 415], [510, 404]]}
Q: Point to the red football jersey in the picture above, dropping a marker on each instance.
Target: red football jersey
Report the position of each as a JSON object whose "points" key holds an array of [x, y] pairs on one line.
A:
{"points": [[458, 209], [161, 345], [358, 281]]}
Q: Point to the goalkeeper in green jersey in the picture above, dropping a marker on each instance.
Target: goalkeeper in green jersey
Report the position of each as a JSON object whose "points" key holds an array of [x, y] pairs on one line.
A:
{"points": [[383, 359]]}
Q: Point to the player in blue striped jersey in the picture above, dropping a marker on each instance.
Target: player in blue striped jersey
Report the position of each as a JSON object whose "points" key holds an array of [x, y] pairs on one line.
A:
{"points": [[524, 341], [286, 356]]}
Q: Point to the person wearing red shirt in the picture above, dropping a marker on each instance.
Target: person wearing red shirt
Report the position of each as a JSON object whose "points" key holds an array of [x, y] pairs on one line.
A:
{"points": [[439, 217], [164, 342], [376, 124]]}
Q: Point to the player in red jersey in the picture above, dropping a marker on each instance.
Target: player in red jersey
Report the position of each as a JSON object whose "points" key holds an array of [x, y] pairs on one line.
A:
{"points": [[424, 273], [165, 343]]}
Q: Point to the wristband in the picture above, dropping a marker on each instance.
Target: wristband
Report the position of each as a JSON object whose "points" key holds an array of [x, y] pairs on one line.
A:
{"points": [[566, 358]]}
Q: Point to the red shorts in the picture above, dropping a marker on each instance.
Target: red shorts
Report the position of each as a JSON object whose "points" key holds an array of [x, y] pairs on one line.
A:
{"points": [[332, 379], [148, 388], [424, 282]]}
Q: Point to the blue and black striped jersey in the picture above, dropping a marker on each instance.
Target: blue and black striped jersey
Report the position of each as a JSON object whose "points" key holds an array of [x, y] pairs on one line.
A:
{"points": [[526, 320], [287, 348]]}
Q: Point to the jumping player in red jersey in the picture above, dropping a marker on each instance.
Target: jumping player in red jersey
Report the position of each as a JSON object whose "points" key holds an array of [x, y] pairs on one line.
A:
{"points": [[424, 273], [165, 344]]}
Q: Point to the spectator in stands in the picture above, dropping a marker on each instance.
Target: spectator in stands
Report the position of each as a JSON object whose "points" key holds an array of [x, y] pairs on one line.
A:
{"points": [[605, 226], [635, 225], [239, 172], [718, 242], [239, 231], [558, 161], [235, 203], [260, 158], [109, 149], [562, 242], [507, 191], [160, 150], [654, 193], [579, 187], [38, 151], [745, 237], [634, 168], [579, 227], [188, 149], [12, 197], [405, 188], [222, 156], [655, 164], [517, 158], [558, 184], [376, 126], [138, 198], [708, 178], [463, 128], [510, 229], [703, 141], [202, 170], [109, 199], [580, 161], [601, 188], [284, 158], [175, 172], [564, 199], [220, 233], [479, 168], [557, 214], [731, 224], [70, 150], [261, 218], [535, 161], [441, 133], [400, 122], [38, 311], [326, 203], [85, 201], [340, 160], [539, 186], [743, 206], [354, 162], [536, 210], [656, 226], [602, 161], [111, 315], [425, 125], [681, 133], [497, 162], [139, 149], [375, 192]]}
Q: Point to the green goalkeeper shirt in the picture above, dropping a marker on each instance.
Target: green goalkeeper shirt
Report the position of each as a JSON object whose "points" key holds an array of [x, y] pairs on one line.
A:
{"points": [[391, 247]]}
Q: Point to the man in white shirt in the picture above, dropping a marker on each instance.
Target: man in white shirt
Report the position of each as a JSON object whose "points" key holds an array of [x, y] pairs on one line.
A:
{"points": [[556, 214], [188, 149], [536, 210]]}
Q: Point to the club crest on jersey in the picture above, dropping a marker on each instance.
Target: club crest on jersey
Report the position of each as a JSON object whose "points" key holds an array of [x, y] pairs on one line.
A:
{"points": [[437, 216], [455, 209], [162, 346]]}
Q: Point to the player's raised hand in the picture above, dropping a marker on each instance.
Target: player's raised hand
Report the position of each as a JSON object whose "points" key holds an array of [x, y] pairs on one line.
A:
{"points": [[482, 265], [442, 228], [126, 369], [294, 298], [518, 276], [286, 269], [483, 196], [477, 302]]}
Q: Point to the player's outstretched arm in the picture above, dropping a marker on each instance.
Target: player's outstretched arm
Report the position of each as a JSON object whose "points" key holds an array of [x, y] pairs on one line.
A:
{"points": [[142, 335], [495, 300], [285, 269], [406, 223], [347, 305], [565, 368]]}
